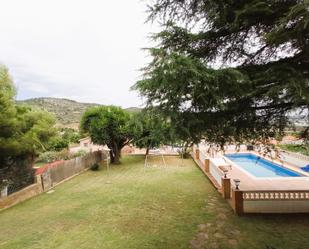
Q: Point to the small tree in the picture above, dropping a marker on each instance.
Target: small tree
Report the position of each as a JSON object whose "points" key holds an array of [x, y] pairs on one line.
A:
{"points": [[108, 125], [150, 130]]}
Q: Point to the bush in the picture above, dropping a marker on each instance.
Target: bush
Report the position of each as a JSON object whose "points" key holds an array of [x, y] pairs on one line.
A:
{"points": [[58, 144], [79, 154], [51, 156], [95, 167], [70, 135], [298, 148], [47, 157]]}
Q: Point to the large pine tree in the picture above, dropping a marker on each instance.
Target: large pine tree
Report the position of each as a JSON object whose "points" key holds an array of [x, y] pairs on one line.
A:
{"points": [[239, 66], [23, 134]]}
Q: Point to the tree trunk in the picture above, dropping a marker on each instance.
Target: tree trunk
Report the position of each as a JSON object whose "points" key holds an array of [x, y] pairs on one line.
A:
{"points": [[111, 155], [115, 152], [185, 150], [147, 152], [116, 156]]}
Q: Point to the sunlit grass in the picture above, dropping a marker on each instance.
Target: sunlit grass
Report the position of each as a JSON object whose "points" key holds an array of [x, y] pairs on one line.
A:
{"points": [[132, 207]]}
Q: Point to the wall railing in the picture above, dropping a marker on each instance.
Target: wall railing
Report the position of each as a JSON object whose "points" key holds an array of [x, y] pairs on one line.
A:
{"points": [[276, 195]]}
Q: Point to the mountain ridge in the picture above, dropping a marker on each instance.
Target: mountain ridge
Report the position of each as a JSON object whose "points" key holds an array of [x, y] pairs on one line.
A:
{"points": [[67, 112]]}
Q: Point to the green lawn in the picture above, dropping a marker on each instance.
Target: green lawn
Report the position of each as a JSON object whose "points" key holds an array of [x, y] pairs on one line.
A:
{"points": [[303, 149], [154, 208], [39, 164]]}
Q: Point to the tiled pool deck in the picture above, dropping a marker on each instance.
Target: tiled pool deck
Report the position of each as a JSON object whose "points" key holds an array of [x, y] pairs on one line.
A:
{"points": [[249, 182], [255, 194]]}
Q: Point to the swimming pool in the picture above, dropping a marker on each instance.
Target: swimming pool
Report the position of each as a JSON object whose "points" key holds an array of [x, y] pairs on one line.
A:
{"points": [[260, 167]]}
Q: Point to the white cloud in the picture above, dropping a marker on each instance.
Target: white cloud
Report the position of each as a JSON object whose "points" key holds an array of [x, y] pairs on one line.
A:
{"points": [[86, 50]]}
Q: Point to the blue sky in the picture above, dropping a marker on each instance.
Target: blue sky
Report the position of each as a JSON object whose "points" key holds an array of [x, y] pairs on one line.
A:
{"points": [[88, 51]]}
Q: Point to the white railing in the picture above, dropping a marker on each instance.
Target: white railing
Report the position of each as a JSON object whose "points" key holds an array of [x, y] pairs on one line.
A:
{"points": [[296, 155], [272, 201], [215, 172], [276, 195], [202, 157]]}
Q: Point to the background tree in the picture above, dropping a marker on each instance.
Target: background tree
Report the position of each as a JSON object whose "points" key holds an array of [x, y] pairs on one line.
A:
{"points": [[23, 134], [65, 137], [239, 66], [70, 135], [108, 125], [185, 130], [150, 130]]}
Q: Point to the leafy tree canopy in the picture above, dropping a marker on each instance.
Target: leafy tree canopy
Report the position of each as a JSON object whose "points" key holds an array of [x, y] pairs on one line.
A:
{"points": [[65, 137], [150, 130], [23, 132], [237, 66], [108, 125]]}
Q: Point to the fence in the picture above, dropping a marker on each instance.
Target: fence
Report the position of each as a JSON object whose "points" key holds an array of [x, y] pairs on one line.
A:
{"points": [[252, 201], [297, 155], [22, 195], [56, 173], [22, 182], [11, 182], [51, 175]]}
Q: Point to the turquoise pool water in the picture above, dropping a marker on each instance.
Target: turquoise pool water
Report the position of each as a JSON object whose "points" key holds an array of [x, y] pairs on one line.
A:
{"points": [[260, 167]]}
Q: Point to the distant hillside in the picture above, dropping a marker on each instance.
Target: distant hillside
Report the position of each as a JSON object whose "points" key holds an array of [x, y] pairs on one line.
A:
{"points": [[133, 109], [68, 112]]}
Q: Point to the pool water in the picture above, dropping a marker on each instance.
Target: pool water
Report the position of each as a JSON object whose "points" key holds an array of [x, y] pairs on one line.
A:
{"points": [[260, 167]]}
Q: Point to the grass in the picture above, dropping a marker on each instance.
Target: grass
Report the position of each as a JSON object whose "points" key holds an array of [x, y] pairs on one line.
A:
{"points": [[154, 208], [303, 149], [39, 164]]}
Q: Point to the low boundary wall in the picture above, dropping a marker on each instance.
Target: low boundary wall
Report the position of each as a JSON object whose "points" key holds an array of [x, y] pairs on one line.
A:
{"points": [[276, 201], [52, 175], [22, 195]]}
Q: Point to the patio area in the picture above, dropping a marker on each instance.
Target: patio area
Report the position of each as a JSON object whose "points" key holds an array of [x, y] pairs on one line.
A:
{"points": [[255, 194]]}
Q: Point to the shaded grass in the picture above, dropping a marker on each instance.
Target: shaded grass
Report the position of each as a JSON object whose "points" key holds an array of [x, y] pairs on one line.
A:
{"points": [[303, 149], [39, 164], [152, 208]]}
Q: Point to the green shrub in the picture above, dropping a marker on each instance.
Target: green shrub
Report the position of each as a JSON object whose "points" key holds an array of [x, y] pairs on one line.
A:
{"points": [[47, 157], [51, 156], [298, 148], [58, 144], [70, 135], [95, 167], [64, 155], [79, 154]]}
